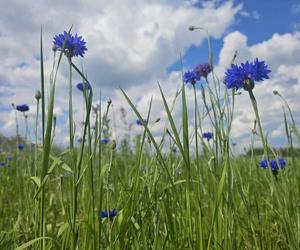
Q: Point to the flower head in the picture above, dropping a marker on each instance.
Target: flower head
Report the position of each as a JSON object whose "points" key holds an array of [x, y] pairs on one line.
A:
{"points": [[75, 45], [105, 140], [96, 108], [83, 86], [191, 77], [38, 95], [282, 162], [2, 164], [22, 108], [274, 165], [21, 146], [110, 214], [263, 164], [142, 168], [245, 75], [203, 69], [139, 122], [8, 158], [207, 135]]}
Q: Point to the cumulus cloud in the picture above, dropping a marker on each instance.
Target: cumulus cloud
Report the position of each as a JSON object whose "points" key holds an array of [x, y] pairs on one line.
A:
{"points": [[254, 14], [129, 45], [281, 54]]}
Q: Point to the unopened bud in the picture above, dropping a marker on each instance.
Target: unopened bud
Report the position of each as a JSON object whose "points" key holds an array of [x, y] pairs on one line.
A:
{"points": [[54, 48], [113, 144], [157, 120], [38, 95], [275, 92], [248, 85], [191, 28]]}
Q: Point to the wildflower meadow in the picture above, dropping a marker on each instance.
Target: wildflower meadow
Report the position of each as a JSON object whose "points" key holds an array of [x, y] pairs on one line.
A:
{"points": [[182, 189]]}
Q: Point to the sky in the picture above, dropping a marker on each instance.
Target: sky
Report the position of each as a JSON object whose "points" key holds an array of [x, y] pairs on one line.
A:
{"points": [[133, 44]]}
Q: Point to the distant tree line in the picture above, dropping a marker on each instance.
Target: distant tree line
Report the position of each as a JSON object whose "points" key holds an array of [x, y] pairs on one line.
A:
{"points": [[282, 152]]}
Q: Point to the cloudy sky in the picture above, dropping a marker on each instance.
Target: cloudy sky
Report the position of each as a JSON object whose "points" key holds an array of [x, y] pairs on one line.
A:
{"points": [[132, 44]]}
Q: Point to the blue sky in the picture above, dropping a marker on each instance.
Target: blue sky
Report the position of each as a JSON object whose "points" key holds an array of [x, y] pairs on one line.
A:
{"points": [[259, 20], [136, 44]]}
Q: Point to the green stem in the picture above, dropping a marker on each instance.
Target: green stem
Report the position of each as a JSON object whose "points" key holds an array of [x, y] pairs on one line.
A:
{"points": [[17, 124], [76, 173], [26, 127], [196, 127], [43, 87], [254, 105], [199, 172], [36, 137], [71, 134]]}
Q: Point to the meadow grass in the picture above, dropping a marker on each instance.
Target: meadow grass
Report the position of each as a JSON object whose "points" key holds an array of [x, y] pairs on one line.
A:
{"points": [[179, 192]]}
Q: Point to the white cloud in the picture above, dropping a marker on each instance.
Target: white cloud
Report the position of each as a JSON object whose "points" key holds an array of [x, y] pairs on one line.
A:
{"points": [[131, 45], [254, 14], [128, 45], [280, 52], [296, 8]]}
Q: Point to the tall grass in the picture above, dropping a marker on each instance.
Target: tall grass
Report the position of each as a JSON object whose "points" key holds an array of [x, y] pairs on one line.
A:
{"points": [[199, 197]]}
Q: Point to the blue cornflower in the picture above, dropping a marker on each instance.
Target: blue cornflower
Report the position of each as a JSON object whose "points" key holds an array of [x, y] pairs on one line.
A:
{"points": [[67, 174], [75, 45], [139, 122], [105, 140], [142, 168], [96, 108], [22, 108], [263, 164], [245, 75], [111, 214], [191, 77], [203, 69], [274, 165], [21, 146], [8, 158], [83, 85], [282, 162], [2, 164], [207, 135]]}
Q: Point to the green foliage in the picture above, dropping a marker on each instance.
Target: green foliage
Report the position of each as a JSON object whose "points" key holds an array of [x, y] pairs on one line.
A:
{"points": [[51, 197]]}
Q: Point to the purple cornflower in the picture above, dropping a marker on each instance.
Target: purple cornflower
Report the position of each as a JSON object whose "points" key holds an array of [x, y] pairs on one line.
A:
{"points": [[2, 164], [83, 86], [207, 135], [245, 75], [105, 140], [191, 77], [263, 164], [22, 108], [111, 214], [75, 45], [21, 146], [203, 69]]}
